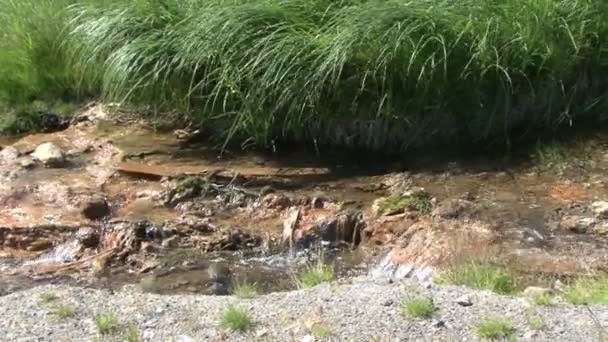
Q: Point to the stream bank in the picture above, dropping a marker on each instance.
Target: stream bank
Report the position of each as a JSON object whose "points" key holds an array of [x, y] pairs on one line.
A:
{"points": [[102, 205]]}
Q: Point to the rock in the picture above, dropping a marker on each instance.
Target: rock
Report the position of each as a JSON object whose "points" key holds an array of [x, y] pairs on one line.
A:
{"points": [[600, 208], [307, 338], [8, 155], [49, 154], [184, 338], [601, 229], [577, 224], [387, 302], [95, 208], [535, 291], [40, 245], [219, 272], [464, 300], [261, 332], [27, 162], [88, 237], [345, 227], [559, 285], [438, 323], [452, 208], [170, 242], [530, 335], [289, 226]]}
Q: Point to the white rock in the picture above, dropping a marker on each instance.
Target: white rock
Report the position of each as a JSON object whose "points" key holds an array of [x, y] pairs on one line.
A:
{"points": [[261, 332], [464, 300], [184, 338], [308, 338], [600, 208], [49, 154]]}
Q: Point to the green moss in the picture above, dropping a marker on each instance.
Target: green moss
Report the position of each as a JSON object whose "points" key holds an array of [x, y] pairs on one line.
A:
{"points": [[417, 200]]}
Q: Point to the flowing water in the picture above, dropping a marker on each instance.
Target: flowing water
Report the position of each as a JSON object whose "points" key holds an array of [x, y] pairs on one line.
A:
{"points": [[520, 204]]}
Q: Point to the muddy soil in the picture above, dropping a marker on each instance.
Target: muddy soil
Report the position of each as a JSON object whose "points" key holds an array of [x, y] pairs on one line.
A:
{"points": [[110, 204]]}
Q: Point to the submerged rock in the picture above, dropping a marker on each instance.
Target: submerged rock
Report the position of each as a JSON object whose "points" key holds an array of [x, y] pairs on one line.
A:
{"points": [[50, 155], [452, 209], [95, 208]]}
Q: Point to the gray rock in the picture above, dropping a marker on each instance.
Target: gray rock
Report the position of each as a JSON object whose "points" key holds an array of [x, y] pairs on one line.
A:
{"points": [[452, 209], [577, 224], [50, 155], [464, 300]]}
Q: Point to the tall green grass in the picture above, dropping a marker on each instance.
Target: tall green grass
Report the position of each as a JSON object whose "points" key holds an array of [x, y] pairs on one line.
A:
{"points": [[358, 73]]}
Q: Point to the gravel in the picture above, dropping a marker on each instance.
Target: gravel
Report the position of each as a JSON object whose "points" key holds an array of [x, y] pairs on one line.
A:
{"points": [[360, 310]]}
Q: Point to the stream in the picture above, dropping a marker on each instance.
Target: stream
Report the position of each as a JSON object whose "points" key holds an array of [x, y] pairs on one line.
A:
{"points": [[123, 204]]}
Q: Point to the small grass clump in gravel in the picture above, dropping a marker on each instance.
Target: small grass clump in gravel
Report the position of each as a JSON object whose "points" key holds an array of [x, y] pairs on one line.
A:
{"points": [[314, 275], [131, 334], [418, 307], [588, 291], [63, 311], [236, 319], [245, 290], [321, 330], [544, 299], [48, 297], [107, 323], [535, 321], [493, 328], [484, 276]]}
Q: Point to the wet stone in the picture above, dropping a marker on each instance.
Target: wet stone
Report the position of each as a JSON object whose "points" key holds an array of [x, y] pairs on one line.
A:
{"points": [[88, 237], [50, 155], [452, 209], [96, 208]]}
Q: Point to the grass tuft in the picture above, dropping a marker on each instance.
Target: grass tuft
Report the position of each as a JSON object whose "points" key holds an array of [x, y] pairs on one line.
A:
{"points": [[48, 297], [543, 299], [236, 319], [107, 323], [418, 307], [380, 75], [321, 330], [494, 328], [535, 321], [314, 275], [63, 311], [131, 334], [245, 290], [588, 291], [483, 276]]}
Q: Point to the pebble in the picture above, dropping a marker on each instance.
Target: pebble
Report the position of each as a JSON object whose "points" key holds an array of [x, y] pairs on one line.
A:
{"points": [[350, 315], [464, 300]]}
